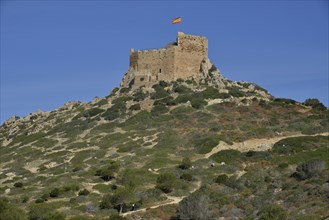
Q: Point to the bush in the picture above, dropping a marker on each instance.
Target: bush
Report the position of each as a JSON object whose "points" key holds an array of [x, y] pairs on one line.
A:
{"points": [[211, 93], [113, 92], [285, 101], [163, 84], [195, 206], [206, 144], [166, 182], [10, 211], [139, 96], [124, 90], [235, 91], [135, 107], [221, 179], [226, 156], [309, 169], [273, 212], [84, 192], [18, 184], [107, 173], [165, 101], [159, 92], [25, 199], [187, 177], [315, 103], [54, 193], [182, 89], [299, 144], [54, 216], [92, 112], [198, 103], [186, 163], [158, 110], [13, 213], [39, 200]]}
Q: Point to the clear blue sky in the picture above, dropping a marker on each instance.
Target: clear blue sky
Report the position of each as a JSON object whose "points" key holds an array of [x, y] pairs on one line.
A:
{"points": [[58, 51]]}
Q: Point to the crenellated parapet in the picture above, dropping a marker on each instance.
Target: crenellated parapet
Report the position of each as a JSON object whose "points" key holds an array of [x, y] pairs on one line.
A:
{"points": [[181, 59]]}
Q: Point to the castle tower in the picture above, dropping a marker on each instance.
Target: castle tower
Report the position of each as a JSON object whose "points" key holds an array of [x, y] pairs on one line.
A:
{"points": [[181, 59]]}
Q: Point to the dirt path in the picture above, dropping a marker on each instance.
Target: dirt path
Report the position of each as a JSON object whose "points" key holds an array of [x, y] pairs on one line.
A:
{"points": [[261, 144], [172, 200]]}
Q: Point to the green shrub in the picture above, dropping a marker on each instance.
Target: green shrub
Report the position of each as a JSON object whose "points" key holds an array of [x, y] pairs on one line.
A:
{"points": [[182, 89], [124, 90], [165, 101], [54, 216], [195, 206], [315, 103], [285, 101], [221, 179], [211, 93], [92, 112], [135, 107], [309, 169], [113, 92], [226, 156], [84, 192], [160, 92], [18, 184], [25, 199], [101, 102], [273, 212], [299, 144], [158, 110], [139, 96], [206, 144], [235, 91], [283, 165], [186, 177], [166, 182], [13, 213], [108, 172], [198, 103], [54, 193], [163, 84], [185, 164]]}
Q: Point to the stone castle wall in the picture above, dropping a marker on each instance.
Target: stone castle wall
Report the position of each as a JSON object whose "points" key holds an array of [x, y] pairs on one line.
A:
{"points": [[179, 60]]}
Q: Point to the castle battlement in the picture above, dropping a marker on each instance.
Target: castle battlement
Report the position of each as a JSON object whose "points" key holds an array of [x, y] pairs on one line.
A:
{"points": [[181, 59]]}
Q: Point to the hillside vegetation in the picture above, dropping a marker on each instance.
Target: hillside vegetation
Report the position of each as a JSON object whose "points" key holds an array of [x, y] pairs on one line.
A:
{"points": [[164, 153]]}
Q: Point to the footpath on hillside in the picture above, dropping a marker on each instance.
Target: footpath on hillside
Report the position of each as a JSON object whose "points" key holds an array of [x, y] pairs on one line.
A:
{"points": [[261, 144], [170, 200]]}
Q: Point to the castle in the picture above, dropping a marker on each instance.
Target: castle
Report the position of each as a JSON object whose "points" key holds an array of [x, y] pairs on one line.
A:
{"points": [[182, 59]]}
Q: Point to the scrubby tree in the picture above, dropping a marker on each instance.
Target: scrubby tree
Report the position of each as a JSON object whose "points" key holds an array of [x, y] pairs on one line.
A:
{"points": [[108, 172], [18, 184], [315, 103], [84, 192], [185, 164], [221, 179], [54, 193], [118, 199], [9, 211], [196, 207], [166, 182], [309, 169], [186, 176], [273, 212]]}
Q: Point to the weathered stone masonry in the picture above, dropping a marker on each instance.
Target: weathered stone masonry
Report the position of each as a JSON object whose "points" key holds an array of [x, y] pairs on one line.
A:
{"points": [[182, 59]]}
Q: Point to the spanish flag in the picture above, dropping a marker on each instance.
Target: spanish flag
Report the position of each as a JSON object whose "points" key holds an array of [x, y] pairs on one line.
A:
{"points": [[176, 20]]}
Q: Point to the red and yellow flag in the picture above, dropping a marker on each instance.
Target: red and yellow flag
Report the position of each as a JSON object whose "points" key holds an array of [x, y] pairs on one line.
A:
{"points": [[176, 20]]}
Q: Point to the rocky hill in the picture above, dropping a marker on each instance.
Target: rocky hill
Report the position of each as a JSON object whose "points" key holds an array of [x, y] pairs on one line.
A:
{"points": [[186, 149]]}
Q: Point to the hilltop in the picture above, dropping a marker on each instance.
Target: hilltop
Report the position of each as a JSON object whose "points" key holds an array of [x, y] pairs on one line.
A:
{"points": [[197, 145]]}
